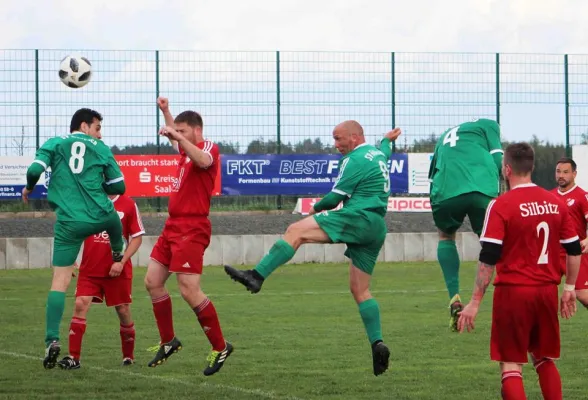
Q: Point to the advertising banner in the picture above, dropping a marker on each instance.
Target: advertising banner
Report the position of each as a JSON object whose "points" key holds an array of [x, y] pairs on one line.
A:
{"points": [[294, 174]]}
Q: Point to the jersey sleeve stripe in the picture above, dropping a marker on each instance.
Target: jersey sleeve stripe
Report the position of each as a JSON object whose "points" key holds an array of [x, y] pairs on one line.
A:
{"points": [[139, 219], [341, 192], [41, 163], [110, 182], [497, 151], [490, 240], [134, 235], [563, 241], [207, 147], [486, 217]]}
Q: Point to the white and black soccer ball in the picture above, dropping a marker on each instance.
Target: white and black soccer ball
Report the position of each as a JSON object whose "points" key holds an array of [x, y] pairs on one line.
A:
{"points": [[75, 71]]}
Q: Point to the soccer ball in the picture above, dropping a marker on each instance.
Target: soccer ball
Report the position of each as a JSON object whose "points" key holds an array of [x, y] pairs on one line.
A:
{"points": [[75, 71]]}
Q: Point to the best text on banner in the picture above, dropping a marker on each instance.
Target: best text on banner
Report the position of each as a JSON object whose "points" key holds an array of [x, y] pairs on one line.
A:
{"points": [[294, 174]]}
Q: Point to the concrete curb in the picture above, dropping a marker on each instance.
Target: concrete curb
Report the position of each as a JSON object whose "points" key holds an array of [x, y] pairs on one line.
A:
{"points": [[32, 253]]}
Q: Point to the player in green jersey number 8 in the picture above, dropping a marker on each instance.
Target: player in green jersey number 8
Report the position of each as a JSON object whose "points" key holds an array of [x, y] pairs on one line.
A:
{"points": [[363, 185], [83, 174], [464, 175], [76, 161]]}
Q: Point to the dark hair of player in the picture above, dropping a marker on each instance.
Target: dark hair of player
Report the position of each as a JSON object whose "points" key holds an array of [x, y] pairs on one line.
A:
{"points": [[83, 115], [520, 157], [191, 118], [567, 160]]}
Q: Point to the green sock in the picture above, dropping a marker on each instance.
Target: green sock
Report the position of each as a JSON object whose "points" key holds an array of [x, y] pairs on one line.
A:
{"points": [[280, 253], [370, 315], [449, 259], [54, 313]]}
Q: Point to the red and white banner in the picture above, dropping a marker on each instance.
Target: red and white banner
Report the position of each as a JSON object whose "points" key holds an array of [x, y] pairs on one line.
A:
{"points": [[395, 204], [409, 204], [152, 175]]}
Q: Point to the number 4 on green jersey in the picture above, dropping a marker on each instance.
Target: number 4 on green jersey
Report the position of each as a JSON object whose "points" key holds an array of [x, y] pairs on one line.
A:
{"points": [[467, 158]]}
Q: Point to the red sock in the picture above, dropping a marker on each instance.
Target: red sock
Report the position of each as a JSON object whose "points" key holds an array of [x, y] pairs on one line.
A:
{"points": [[77, 328], [549, 379], [208, 319], [512, 386], [162, 308], [127, 340]]}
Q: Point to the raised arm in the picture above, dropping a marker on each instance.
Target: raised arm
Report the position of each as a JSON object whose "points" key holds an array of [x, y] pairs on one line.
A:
{"points": [[163, 104], [43, 160], [387, 141]]}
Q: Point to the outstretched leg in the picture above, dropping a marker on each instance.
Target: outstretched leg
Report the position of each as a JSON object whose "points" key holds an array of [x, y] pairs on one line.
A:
{"points": [[297, 234]]}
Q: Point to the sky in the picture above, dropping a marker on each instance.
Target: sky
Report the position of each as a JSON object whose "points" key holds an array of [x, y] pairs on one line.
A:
{"points": [[236, 91]]}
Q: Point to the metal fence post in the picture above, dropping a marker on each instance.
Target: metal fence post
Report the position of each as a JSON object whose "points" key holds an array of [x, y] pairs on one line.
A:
{"points": [[278, 119], [157, 121], [567, 106], [37, 117], [393, 90], [498, 88]]}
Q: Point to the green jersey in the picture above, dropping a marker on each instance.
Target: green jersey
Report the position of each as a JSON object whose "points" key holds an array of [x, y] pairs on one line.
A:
{"points": [[80, 166], [467, 159], [364, 178]]}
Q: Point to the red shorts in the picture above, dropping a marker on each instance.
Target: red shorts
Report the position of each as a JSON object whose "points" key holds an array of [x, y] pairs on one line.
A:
{"points": [[181, 245], [524, 320], [116, 291], [582, 281]]}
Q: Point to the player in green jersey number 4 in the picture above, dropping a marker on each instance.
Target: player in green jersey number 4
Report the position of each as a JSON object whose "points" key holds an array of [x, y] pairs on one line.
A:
{"points": [[465, 176], [363, 185], [83, 174]]}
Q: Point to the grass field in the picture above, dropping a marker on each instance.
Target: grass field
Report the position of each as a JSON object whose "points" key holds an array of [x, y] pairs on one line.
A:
{"points": [[300, 338]]}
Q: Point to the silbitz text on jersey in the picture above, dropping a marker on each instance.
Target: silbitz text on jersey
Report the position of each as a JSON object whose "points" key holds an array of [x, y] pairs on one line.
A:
{"points": [[534, 208]]}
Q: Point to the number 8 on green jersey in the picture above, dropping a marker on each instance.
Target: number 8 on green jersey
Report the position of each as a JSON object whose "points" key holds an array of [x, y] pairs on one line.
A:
{"points": [[83, 173]]}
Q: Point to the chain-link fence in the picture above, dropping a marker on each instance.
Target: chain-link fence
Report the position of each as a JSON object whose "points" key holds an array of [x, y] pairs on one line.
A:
{"points": [[288, 102]]}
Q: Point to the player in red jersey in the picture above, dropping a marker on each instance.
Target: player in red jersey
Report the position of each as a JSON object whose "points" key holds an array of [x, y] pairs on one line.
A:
{"points": [[521, 238], [186, 235], [100, 280], [577, 202]]}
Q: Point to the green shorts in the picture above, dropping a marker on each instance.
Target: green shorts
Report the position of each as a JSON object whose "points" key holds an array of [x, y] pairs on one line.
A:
{"points": [[69, 236], [450, 214], [363, 232]]}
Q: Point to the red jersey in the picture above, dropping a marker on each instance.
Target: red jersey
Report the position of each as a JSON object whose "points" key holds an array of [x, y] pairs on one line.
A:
{"points": [[193, 187], [530, 223], [97, 254], [577, 202]]}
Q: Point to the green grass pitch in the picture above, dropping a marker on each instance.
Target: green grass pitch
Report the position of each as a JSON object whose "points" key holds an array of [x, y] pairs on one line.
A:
{"points": [[300, 338]]}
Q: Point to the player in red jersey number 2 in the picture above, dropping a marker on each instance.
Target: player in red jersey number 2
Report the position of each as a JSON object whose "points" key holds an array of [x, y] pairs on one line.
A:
{"points": [[100, 280], [186, 235], [523, 232], [577, 201]]}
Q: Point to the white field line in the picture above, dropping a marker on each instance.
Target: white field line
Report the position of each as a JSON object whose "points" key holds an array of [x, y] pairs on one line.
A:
{"points": [[256, 392]]}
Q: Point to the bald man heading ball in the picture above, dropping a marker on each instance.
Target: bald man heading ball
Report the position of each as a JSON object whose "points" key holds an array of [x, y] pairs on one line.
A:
{"points": [[363, 186]]}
